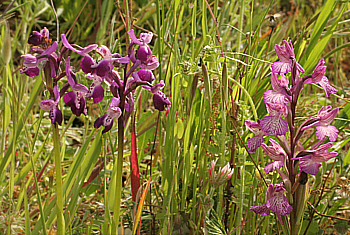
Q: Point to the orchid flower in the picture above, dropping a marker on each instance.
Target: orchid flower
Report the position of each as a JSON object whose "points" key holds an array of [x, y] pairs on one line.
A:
{"points": [[286, 54], [275, 201], [160, 101], [276, 153], [38, 39], [145, 58], [75, 99], [89, 65], [318, 77], [51, 106], [279, 94], [96, 91], [113, 112], [274, 125], [33, 64], [255, 142], [323, 127], [310, 159]]}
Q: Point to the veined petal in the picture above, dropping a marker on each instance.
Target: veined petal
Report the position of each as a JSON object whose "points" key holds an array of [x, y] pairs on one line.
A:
{"points": [[282, 52], [279, 204], [275, 152], [274, 125], [318, 73], [30, 61], [261, 209], [254, 143], [275, 97], [330, 131], [281, 67]]}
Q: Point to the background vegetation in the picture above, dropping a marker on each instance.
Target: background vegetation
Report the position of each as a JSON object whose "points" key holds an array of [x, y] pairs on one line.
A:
{"points": [[175, 148]]}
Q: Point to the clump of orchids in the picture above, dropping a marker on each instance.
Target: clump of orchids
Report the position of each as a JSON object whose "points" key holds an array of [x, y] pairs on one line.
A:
{"points": [[289, 157], [138, 66], [43, 57]]}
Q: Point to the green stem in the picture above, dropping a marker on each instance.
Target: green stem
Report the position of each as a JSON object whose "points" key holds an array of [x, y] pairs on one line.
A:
{"points": [[118, 181], [59, 190]]}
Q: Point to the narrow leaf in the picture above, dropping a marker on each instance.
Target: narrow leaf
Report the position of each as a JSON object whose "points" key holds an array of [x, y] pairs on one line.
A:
{"points": [[134, 165], [139, 209]]}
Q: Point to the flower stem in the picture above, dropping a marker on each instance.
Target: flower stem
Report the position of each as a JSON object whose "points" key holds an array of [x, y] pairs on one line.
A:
{"points": [[59, 189], [119, 162]]}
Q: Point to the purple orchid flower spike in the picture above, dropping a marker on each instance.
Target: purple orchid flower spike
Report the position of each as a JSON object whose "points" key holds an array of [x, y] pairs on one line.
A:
{"points": [[33, 64], [323, 127], [75, 99], [96, 91], [51, 106], [255, 142], [275, 201], [279, 94], [276, 153], [286, 54], [274, 125], [113, 112], [310, 160]]}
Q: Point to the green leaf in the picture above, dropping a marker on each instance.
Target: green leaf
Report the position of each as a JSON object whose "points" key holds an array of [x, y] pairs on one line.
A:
{"points": [[179, 128], [21, 121], [315, 53], [318, 29]]}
